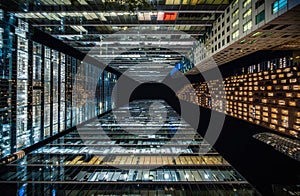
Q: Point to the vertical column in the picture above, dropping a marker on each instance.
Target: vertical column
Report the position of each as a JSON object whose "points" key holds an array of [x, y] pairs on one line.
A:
{"points": [[99, 94], [55, 92], [22, 134], [30, 93], [68, 92], [74, 107], [37, 91], [47, 92], [62, 94]]}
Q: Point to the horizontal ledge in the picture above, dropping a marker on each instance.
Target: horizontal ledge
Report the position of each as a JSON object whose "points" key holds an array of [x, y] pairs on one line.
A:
{"points": [[122, 25]]}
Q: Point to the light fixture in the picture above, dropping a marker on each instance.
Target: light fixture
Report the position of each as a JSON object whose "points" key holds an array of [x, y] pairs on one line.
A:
{"points": [[166, 176]]}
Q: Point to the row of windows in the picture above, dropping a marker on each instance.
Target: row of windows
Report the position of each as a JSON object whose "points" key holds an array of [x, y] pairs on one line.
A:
{"points": [[276, 6], [247, 2], [218, 46], [247, 26]]}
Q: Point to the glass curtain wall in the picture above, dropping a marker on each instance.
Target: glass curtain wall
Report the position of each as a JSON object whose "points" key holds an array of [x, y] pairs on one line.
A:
{"points": [[37, 91], [7, 82], [37, 88], [109, 83]]}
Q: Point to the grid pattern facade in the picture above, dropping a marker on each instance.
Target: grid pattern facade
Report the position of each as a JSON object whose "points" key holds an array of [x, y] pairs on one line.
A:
{"points": [[37, 88], [266, 94], [116, 154]]}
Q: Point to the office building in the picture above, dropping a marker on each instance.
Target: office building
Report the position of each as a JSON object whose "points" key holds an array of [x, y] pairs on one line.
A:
{"points": [[150, 97]]}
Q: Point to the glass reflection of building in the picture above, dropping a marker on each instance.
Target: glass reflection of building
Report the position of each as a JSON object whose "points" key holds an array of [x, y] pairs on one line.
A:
{"points": [[118, 154]]}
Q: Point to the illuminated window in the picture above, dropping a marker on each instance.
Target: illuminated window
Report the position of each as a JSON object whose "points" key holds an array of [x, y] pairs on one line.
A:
{"points": [[247, 26], [235, 23], [235, 34], [235, 13], [246, 2], [170, 16], [247, 13], [278, 5], [235, 3]]}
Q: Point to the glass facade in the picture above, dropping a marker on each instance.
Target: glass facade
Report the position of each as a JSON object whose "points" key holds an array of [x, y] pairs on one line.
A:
{"points": [[22, 85], [37, 91], [39, 87], [260, 17], [128, 155], [278, 5], [109, 83]]}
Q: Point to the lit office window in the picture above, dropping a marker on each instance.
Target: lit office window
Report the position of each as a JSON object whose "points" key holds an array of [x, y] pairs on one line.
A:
{"points": [[246, 2], [235, 23], [235, 13], [247, 13], [62, 109], [47, 91], [22, 133], [247, 26], [278, 5], [235, 3], [37, 93], [235, 34], [260, 17]]}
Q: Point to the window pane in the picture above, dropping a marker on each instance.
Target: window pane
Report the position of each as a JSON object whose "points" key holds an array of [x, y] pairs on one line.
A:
{"points": [[260, 17]]}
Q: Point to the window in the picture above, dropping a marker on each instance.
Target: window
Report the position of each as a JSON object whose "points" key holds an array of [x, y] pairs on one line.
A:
{"points": [[228, 19], [247, 13], [260, 17], [228, 29], [278, 5], [235, 23], [235, 34], [223, 33], [259, 3], [247, 26], [246, 2], [223, 42], [235, 13], [223, 24], [228, 39], [235, 3]]}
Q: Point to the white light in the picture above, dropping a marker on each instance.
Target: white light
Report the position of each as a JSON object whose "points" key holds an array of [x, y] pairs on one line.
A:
{"points": [[206, 176], [113, 14], [186, 176], [166, 176], [146, 176]]}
